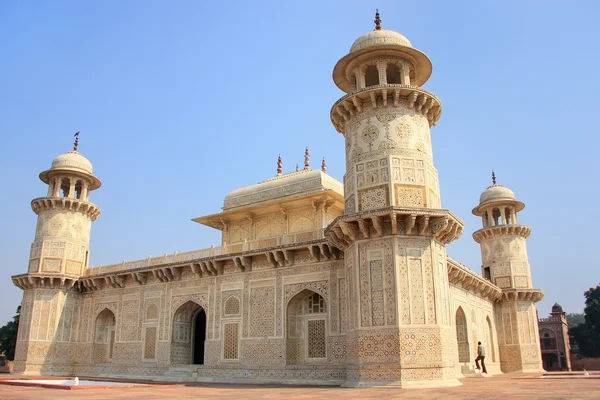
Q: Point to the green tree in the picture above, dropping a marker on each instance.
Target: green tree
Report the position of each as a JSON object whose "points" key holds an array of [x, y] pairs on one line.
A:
{"points": [[8, 336], [587, 335], [574, 319]]}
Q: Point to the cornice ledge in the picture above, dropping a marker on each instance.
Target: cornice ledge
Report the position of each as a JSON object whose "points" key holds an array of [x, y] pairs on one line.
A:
{"points": [[460, 275]]}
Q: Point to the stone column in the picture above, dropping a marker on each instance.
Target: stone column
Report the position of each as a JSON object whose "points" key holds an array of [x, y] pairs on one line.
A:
{"points": [[71, 194], [404, 73], [57, 186], [85, 191], [381, 68]]}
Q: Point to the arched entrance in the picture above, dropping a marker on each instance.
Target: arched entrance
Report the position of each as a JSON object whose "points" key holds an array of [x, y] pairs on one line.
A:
{"points": [[199, 337], [550, 362], [462, 336], [189, 334], [104, 338], [490, 339], [306, 329]]}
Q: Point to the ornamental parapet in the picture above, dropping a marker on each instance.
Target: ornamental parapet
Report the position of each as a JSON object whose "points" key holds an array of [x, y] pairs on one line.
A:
{"points": [[551, 320], [460, 275], [278, 256], [373, 97], [534, 295], [213, 251], [65, 203], [486, 233], [443, 225]]}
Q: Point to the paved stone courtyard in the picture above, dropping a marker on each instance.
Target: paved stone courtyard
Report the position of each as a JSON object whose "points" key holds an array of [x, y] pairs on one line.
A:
{"points": [[498, 387]]}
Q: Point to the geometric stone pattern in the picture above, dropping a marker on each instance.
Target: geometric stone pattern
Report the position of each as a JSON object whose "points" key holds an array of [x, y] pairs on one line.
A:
{"points": [[150, 343], [371, 199], [230, 341], [316, 338], [262, 311]]}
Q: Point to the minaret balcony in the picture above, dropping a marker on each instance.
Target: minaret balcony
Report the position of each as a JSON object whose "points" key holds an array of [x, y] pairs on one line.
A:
{"points": [[65, 203], [534, 295], [493, 231], [440, 224], [387, 95], [43, 281]]}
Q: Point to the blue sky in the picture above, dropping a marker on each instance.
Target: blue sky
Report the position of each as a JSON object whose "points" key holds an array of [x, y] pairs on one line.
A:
{"points": [[179, 103]]}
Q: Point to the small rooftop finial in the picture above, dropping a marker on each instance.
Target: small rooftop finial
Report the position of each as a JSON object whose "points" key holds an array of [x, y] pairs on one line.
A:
{"points": [[279, 165], [76, 144], [306, 159], [493, 178], [324, 166], [377, 20], [297, 168]]}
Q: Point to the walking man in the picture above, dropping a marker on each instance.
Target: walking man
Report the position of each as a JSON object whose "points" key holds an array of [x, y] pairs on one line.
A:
{"points": [[480, 356]]}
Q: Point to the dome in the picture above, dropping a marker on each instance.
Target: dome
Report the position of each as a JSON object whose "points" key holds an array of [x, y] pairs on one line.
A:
{"points": [[380, 37], [72, 160], [380, 42], [557, 308], [495, 194]]}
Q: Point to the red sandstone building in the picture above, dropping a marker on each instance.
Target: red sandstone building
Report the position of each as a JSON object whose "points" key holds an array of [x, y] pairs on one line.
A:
{"points": [[554, 340]]}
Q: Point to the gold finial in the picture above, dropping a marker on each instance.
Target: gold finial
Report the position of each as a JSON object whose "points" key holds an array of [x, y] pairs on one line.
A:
{"points": [[279, 165], [493, 178], [323, 166], [377, 20], [76, 144], [306, 159]]}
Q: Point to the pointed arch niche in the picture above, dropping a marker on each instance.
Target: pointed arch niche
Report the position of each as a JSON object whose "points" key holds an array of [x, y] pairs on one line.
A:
{"points": [[104, 336], [189, 334], [490, 339], [462, 336], [306, 329]]}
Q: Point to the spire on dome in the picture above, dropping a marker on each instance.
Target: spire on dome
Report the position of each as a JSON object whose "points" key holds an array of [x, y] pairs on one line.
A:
{"points": [[324, 166], [306, 159], [377, 20], [297, 168], [493, 178], [279, 165], [76, 144]]}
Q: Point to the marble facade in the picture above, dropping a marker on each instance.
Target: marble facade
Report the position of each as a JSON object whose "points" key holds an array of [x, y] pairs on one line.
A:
{"points": [[315, 281]]}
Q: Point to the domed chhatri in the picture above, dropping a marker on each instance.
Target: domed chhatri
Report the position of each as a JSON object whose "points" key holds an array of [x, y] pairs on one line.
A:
{"points": [[557, 308], [387, 44], [72, 162], [497, 194]]}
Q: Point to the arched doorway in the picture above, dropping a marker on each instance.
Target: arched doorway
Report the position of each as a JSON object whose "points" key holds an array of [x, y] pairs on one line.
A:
{"points": [[550, 362], [490, 339], [306, 328], [462, 336], [189, 334], [199, 337], [104, 338]]}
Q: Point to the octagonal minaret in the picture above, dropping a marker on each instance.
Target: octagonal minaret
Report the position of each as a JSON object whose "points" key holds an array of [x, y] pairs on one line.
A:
{"points": [[505, 263], [65, 215], [394, 231], [58, 258]]}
